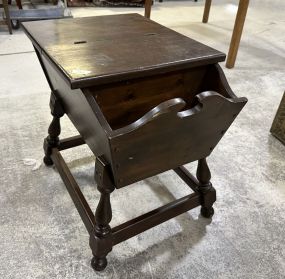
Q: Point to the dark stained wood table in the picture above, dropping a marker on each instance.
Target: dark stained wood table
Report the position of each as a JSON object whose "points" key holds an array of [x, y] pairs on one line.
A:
{"points": [[145, 99]]}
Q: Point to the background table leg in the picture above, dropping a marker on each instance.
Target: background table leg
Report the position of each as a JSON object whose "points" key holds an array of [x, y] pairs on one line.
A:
{"points": [[7, 14], [237, 32], [19, 4], [147, 8], [207, 11]]}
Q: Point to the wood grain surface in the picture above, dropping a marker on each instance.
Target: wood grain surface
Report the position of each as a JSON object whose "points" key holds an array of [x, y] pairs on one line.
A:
{"points": [[95, 50]]}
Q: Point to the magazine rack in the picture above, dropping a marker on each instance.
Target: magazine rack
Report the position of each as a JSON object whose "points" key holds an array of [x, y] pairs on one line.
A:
{"points": [[145, 99]]}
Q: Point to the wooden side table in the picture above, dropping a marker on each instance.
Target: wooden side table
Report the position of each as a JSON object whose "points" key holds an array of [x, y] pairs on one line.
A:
{"points": [[139, 114], [237, 31]]}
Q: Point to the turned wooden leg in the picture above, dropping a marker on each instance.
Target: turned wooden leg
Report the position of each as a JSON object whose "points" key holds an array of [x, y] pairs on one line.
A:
{"points": [[147, 8], [207, 190], [101, 239], [52, 139], [206, 11], [237, 32]]}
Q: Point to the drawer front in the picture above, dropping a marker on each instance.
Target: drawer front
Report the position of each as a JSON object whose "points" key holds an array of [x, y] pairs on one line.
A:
{"points": [[172, 138]]}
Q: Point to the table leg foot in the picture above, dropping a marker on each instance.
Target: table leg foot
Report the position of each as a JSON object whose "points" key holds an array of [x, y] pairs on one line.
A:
{"points": [[47, 161], [99, 263], [101, 238], [206, 189], [207, 212]]}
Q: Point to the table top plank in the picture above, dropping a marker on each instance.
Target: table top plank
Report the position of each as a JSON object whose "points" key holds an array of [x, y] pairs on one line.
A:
{"points": [[95, 50]]}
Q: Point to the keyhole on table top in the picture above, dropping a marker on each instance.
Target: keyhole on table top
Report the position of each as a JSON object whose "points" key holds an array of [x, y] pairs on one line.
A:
{"points": [[80, 42], [150, 34]]}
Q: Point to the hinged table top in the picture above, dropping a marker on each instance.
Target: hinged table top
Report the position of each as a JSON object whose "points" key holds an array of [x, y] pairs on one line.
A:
{"points": [[96, 50]]}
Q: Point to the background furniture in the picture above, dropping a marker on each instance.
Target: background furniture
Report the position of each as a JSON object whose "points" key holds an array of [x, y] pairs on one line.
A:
{"points": [[7, 20], [19, 3], [23, 15], [278, 126], [139, 114], [237, 31]]}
